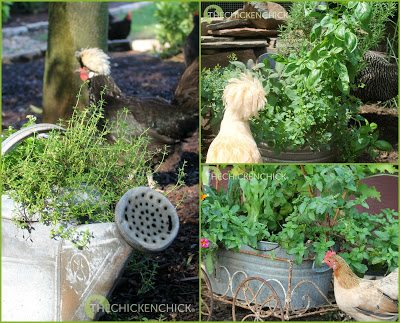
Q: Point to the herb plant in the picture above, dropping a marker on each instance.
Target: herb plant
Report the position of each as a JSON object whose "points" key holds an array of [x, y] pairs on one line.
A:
{"points": [[307, 210], [75, 177]]}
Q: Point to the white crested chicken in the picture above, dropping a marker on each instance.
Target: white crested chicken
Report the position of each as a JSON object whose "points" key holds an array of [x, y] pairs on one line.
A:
{"points": [[363, 299], [163, 121], [243, 99]]}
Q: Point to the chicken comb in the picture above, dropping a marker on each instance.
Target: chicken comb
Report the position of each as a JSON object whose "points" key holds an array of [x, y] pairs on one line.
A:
{"points": [[330, 253]]}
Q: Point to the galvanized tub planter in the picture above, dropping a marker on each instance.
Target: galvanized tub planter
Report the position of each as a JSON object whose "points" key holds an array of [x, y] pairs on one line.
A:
{"points": [[267, 282], [299, 156], [44, 279]]}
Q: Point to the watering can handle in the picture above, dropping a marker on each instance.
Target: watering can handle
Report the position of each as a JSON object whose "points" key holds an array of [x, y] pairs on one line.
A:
{"points": [[11, 142]]}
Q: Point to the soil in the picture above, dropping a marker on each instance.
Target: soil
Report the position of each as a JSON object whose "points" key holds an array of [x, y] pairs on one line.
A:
{"points": [[387, 121], [175, 280], [135, 74], [223, 312]]}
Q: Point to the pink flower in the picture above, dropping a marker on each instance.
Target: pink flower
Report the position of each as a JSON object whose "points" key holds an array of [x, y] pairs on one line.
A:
{"points": [[204, 243]]}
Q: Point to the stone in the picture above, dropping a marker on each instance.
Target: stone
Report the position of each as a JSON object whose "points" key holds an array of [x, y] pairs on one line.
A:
{"points": [[221, 58], [244, 32], [229, 24], [212, 39], [245, 43], [264, 15], [119, 45]]}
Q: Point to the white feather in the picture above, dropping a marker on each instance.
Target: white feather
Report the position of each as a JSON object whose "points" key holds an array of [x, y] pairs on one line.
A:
{"points": [[95, 60]]}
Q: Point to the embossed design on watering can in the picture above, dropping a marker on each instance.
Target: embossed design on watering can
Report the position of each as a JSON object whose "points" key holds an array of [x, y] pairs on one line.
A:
{"points": [[44, 279]]}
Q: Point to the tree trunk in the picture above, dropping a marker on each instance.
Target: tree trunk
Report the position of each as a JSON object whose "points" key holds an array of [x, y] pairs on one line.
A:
{"points": [[72, 26]]}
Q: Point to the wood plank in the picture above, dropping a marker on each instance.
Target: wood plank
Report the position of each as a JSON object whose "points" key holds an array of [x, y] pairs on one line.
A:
{"points": [[244, 32]]}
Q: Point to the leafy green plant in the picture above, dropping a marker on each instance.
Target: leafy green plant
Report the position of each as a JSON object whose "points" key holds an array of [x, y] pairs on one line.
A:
{"points": [[75, 177], [300, 23], [307, 210], [174, 24], [5, 10], [309, 105]]}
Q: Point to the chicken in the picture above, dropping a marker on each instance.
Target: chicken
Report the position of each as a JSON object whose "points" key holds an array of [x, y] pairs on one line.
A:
{"points": [[119, 29], [191, 48], [164, 122], [187, 91], [363, 299], [379, 79], [243, 98]]}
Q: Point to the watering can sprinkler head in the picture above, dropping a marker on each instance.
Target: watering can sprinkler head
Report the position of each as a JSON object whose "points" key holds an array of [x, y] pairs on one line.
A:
{"points": [[146, 219]]}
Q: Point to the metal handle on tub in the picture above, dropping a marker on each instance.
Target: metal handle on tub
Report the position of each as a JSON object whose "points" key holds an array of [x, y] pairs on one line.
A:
{"points": [[11, 142]]}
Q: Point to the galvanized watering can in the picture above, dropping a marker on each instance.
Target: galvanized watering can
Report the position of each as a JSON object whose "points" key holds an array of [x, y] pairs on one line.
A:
{"points": [[44, 279]]}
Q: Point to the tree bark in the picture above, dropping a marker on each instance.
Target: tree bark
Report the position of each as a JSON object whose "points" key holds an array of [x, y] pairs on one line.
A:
{"points": [[72, 26]]}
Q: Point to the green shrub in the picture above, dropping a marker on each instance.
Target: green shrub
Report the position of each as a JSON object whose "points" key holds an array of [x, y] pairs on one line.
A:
{"points": [[309, 104], [5, 10], [174, 24]]}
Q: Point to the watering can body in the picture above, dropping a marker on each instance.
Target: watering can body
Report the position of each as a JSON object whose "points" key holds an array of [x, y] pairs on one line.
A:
{"points": [[44, 279]]}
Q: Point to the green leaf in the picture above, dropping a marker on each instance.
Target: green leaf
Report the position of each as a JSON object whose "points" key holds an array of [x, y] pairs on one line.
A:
{"points": [[340, 32], [316, 32], [384, 236], [363, 12], [350, 41], [313, 78], [352, 4], [383, 145], [239, 65], [290, 68], [279, 67], [361, 268]]}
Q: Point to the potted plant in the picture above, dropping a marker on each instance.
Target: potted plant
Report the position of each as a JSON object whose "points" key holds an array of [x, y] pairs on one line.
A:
{"points": [[304, 211], [75, 176], [310, 114]]}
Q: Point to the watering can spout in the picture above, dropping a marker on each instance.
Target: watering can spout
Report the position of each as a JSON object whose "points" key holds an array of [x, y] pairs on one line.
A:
{"points": [[146, 219]]}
